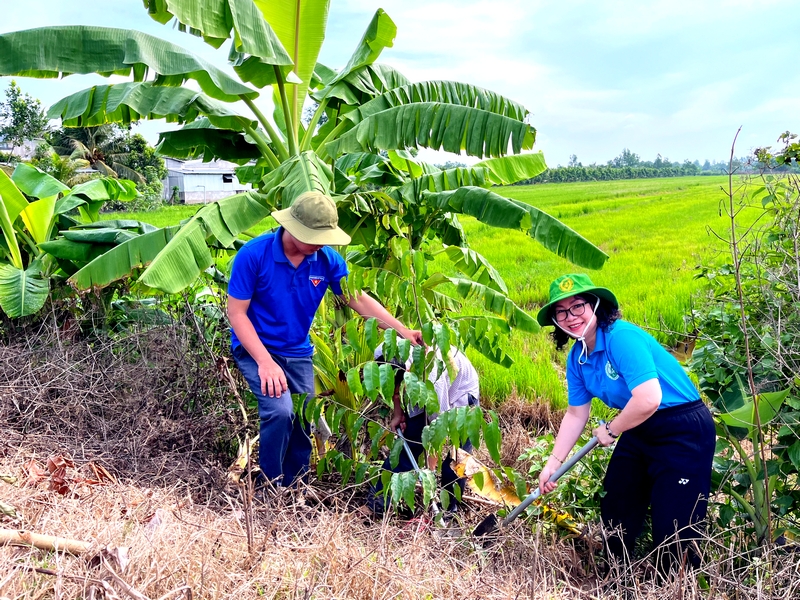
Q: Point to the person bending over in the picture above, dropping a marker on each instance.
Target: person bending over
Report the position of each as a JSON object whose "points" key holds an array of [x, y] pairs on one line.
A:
{"points": [[277, 283], [664, 433]]}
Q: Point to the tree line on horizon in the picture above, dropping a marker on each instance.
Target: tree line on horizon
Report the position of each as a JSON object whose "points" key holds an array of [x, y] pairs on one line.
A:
{"points": [[629, 165]]}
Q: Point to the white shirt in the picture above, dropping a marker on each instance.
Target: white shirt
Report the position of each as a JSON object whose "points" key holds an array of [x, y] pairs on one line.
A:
{"points": [[451, 394]]}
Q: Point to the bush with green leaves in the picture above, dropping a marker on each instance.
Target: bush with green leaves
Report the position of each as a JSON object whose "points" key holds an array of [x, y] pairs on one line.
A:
{"points": [[357, 397], [579, 492], [748, 351]]}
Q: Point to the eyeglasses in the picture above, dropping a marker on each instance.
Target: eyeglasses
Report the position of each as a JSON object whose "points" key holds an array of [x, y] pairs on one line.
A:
{"points": [[576, 310]]}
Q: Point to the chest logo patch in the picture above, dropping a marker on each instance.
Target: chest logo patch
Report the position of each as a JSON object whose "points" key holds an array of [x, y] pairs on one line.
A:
{"points": [[316, 280], [611, 373]]}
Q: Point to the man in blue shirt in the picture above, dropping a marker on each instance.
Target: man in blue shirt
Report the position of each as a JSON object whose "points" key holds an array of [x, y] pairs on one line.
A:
{"points": [[277, 283]]}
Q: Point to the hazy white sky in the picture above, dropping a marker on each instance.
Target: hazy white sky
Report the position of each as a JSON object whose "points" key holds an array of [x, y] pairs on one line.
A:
{"points": [[672, 77]]}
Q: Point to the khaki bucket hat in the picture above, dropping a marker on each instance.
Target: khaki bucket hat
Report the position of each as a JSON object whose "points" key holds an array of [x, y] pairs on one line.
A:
{"points": [[567, 286], [313, 219]]}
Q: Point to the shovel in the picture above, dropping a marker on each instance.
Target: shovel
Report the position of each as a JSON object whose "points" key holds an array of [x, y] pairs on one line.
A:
{"points": [[434, 506], [490, 523]]}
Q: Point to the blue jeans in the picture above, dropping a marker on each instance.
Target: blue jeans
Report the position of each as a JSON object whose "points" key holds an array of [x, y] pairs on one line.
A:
{"points": [[284, 448]]}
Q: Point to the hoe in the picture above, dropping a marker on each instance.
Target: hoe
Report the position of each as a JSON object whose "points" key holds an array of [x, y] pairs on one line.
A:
{"points": [[491, 523]]}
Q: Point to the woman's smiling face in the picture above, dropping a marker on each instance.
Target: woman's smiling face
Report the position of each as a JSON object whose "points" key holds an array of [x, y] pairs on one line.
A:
{"points": [[573, 314]]}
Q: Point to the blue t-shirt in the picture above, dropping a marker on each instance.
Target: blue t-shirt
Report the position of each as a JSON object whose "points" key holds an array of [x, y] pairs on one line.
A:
{"points": [[624, 357], [283, 299]]}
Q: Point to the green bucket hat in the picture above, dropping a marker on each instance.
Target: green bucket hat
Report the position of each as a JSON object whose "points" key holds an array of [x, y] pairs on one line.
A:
{"points": [[567, 286]]}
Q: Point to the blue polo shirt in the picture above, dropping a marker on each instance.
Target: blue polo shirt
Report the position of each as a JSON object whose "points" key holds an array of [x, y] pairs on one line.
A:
{"points": [[283, 298], [624, 357]]}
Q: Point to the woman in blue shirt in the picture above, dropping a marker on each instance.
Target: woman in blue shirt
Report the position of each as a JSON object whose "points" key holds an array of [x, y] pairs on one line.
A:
{"points": [[664, 433]]}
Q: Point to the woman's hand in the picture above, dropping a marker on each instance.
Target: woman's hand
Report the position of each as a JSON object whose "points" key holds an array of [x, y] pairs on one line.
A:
{"points": [[545, 485], [603, 437]]}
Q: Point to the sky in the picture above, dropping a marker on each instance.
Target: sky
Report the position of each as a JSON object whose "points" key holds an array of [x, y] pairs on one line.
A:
{"points": [[676, 78]]}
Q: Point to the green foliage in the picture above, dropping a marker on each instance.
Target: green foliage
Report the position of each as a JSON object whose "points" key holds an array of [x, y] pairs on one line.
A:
{"points": [[609, 173], [748, 353], [43, 245], [61, 167], [357, 393], [634, 221], [110, 151], [580, 492], [138, 155], [272, 46]]}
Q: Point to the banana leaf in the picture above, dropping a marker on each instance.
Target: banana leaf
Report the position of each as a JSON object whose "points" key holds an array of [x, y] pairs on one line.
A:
{"points": [[75, 252], [13, 200], [187, 255], [486, 206], [106, 188], [50, 52], [216, 20], [129, 102], [495, 210], [38, 217], [445, 92], [562, 240], [23, 292], [201, 139], [380, 34], [300, 26], [137, 226], [363, 84], [511, 169], [122, 260], [302, 173], [103, 235], [36, 183], [437, 126], [10, 236]]}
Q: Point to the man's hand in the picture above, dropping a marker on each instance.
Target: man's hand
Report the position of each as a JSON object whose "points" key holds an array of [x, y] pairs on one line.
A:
{"points": [[273, 379], [412, 335], [398, 420]]}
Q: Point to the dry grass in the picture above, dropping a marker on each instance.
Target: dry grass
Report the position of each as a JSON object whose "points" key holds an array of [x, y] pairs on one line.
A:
{"points": [[149, 409]]}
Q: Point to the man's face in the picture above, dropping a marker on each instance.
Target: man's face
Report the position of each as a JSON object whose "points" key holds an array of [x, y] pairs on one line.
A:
{"points": [[298, 246], [307, 249]]}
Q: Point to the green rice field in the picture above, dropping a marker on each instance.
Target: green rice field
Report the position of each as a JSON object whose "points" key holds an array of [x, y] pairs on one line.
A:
{"points": [[656, 232]]}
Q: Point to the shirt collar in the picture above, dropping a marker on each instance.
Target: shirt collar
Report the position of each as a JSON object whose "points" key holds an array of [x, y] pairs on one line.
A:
{"points": [[599, 340], [277, 249]]}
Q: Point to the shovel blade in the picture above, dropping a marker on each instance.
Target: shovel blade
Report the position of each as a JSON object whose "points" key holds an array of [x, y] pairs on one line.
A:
{"points": [[487, 526]]}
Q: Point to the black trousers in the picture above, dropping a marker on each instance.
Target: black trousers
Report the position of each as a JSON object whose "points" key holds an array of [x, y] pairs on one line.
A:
{"points": [[413, 434], [664, 464]]}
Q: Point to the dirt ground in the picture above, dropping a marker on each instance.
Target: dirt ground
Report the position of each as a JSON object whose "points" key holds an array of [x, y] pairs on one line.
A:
{"points": [[125, 446]]}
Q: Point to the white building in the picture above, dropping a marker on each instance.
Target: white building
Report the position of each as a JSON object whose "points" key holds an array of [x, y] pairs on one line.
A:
{"points": [[201, 182], [24, 152]]}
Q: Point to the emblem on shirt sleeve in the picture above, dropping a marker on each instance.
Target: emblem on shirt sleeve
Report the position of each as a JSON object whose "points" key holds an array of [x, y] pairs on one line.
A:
{"points": [[611, 372], [316, 280]]}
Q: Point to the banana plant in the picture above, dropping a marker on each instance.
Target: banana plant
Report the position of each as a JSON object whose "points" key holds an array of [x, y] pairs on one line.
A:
{"points": [[364, 108], [43, 243], [357, 146], [752, 484]]}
